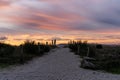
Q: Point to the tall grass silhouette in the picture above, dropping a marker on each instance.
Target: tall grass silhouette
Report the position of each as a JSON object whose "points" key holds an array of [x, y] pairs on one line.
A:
{"points": [[107, 56], [10, 54]]}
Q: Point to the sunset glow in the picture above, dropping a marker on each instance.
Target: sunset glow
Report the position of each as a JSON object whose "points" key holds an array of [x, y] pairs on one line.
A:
{"points": [[97, 21]]}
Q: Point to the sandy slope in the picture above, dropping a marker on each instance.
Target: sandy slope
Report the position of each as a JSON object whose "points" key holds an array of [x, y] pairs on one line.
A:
{"points": [[60, 64]]}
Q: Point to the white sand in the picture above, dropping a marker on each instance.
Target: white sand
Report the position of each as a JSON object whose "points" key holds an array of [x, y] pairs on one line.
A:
{"points": [[58, 65]]}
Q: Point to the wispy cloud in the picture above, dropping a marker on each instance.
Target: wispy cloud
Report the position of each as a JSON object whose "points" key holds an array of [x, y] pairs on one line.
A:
{"points": [[3, 38]]}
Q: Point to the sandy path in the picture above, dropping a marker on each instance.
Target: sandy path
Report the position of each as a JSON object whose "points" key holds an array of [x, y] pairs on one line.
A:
{"points": [[60, 64]]}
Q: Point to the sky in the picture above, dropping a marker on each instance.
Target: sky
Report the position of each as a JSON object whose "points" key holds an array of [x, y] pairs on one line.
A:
{"points": [[97, 21]]}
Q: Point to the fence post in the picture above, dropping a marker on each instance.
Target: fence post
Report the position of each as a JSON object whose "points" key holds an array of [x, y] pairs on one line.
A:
{"points": [[46, 43], [38, 47], [55, 42], [52, 42], [88, 52], [21, 59], [21, 49], [78, 49]]}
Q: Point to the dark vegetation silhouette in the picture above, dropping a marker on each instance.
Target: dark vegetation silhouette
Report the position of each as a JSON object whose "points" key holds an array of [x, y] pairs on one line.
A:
{"points": [[10, 54], [99, 46], [107, 57], [79, 47]]}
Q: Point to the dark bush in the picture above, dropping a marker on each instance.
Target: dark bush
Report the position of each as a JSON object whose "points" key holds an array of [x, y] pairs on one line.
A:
{"points": [[91, 52], [6, 50], [99, 46], [46, 48], [30, 47], [21, 54], [80, 48]]}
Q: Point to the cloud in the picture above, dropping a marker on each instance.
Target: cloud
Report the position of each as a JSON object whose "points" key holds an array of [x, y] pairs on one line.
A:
{"points": [[60, 17], [113, 37], [57, 38], [3, 38], [4, 2]]}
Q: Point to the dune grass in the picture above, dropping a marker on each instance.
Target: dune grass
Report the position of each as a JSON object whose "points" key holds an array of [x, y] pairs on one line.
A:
{"points": [[107, 56], [114, 70], [4, 65], [10, 55]]}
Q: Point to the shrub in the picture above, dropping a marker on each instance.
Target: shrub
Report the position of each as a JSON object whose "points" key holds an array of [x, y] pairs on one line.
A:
{"points": [[91, 52], [30, 47], [21, 54], [6, 53], [6, 50], [99, 46], [79, 47]]}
